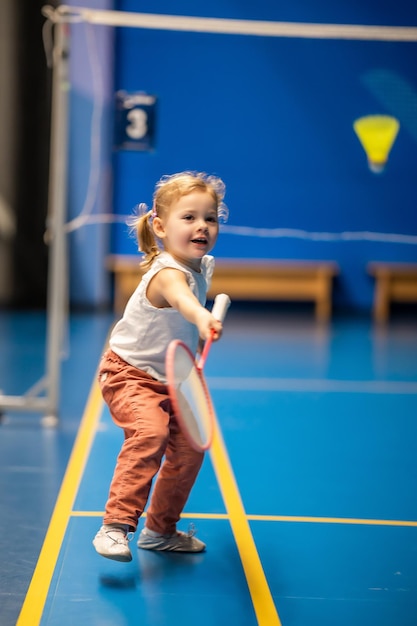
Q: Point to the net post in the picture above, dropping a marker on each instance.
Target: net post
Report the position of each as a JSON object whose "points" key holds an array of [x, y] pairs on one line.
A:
{"points": [[57, 198]]}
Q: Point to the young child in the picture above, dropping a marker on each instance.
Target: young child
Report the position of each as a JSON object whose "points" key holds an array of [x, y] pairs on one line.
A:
{"points": [[169, 303]]}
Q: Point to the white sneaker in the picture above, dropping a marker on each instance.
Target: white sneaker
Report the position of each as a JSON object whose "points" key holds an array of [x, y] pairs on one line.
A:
{"points": [[178, 542], [113, 543]]}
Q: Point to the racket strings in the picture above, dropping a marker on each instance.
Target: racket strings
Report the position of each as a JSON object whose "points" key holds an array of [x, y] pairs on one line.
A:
{"points": [[191, 400]]}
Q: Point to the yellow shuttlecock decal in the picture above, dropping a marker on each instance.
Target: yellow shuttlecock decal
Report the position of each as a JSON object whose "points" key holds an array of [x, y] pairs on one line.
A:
{"points": [[377, 134]]}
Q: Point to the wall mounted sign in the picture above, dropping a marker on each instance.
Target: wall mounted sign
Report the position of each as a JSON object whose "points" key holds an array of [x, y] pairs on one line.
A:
{"points": [[135, 121]]}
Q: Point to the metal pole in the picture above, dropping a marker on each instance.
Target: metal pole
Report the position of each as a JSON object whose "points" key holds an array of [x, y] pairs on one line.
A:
{"points": [[57, 266], [57, 276]]}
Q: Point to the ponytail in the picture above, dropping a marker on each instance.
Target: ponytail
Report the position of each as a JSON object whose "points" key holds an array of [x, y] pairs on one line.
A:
{"points": [[141, 226]]}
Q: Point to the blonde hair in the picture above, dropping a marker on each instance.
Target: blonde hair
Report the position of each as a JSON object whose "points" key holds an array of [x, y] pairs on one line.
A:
{"points": [[167, 191]]}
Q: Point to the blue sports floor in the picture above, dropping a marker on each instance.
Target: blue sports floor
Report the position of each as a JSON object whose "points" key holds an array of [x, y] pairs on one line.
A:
{"points": [[307, 500]]}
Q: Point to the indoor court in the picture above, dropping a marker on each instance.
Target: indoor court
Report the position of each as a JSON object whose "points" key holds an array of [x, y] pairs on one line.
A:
{"points": [[306, 500]]}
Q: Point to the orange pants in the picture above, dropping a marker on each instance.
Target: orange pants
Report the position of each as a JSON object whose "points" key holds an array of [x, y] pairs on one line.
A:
{"points": [[140, 405]]}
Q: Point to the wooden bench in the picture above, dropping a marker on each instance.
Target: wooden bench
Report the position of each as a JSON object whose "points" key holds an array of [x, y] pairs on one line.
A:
{"points": [[247, 279], [394, 282]]}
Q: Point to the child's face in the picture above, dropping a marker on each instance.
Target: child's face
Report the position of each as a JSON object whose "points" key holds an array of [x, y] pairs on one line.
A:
{"points": [[190, 229]]}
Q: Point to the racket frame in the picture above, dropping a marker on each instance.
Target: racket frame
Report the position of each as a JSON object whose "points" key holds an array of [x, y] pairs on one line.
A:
{"points": [[173, 388]]}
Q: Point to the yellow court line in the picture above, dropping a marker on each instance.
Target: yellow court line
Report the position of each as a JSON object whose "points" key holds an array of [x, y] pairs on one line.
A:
{"points": [[263, 603], [223, 516], [279, 518], [36, 596]]}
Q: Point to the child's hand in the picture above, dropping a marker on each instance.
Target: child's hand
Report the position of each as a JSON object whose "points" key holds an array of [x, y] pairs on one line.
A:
{"points": [[206, 324]]}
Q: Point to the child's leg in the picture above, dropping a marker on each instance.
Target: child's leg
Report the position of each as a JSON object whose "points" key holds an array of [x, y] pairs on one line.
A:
{"points": [[136, 402], [173, 485]]}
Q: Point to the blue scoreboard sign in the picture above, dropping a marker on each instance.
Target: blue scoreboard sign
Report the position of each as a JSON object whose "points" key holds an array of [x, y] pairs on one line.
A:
{"points": [[135, 121]]}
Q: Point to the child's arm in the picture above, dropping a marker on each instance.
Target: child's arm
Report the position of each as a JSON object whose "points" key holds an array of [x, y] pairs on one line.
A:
{"points": [[169, 287]]}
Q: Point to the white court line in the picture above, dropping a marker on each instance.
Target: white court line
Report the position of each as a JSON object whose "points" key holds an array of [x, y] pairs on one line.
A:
{"points": [[313, 385]]}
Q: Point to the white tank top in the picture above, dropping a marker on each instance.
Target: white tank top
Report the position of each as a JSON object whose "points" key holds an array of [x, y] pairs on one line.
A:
{"points": [[143, 334]]}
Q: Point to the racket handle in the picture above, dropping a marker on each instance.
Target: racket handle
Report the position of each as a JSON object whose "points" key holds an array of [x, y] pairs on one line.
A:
{"points": [[220, 306], [219, 310]]}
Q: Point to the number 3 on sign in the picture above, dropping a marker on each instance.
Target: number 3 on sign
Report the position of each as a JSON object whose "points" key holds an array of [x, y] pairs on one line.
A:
{"points": [[135, 121], [137, 128]]}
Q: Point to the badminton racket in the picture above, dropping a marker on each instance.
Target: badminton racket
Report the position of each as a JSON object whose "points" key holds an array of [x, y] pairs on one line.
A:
{"points": [[187, 387]]}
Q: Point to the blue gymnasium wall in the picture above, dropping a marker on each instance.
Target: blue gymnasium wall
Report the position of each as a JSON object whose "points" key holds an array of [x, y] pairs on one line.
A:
{"points": [[90, 155], [273, 117]]}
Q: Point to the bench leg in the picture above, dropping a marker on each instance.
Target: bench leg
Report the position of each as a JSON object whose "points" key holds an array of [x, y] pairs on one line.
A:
{"points": [[381, 300], [323, 298], [323, 310]]}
